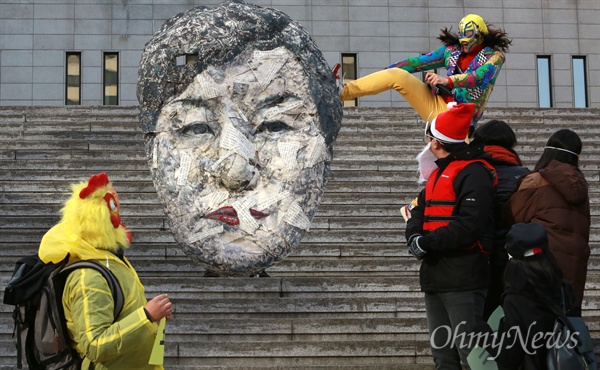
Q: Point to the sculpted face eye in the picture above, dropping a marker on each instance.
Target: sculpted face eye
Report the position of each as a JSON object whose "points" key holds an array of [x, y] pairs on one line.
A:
{"points": [[197, 128], [273, 126]]}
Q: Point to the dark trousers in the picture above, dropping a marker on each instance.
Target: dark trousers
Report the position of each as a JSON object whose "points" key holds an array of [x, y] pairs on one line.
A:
{"points": [[451, 316]]}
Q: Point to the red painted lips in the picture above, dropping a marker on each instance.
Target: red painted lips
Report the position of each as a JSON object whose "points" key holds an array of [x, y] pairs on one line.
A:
{"points": [[229, 216]]}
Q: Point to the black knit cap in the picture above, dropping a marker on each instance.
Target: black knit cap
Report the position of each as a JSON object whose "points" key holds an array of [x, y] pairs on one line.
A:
{"points": [[525, 240]]}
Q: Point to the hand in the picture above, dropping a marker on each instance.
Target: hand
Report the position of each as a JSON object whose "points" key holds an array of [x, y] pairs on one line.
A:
{"points": [[435, 79], [159, 307], [414, 248]]}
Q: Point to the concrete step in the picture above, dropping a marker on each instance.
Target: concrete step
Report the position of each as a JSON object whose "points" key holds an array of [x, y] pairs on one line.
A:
{"points": [[277, 355], [347, 297]]}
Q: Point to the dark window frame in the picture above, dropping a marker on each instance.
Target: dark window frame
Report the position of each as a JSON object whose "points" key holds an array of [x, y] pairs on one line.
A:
{"points": [[110, 78], [548, 60], [72, 80], [585, 81], [350, 71]]}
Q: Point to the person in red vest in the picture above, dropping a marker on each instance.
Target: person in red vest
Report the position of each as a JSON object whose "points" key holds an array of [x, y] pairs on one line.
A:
{"points": [[450, 231]]}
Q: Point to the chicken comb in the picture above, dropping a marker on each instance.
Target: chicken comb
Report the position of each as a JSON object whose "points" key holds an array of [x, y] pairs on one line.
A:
{"points": [[94, 183]]}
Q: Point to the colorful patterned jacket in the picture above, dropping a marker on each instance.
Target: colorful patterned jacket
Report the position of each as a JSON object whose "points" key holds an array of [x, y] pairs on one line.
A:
{"points": [[471, 86]]}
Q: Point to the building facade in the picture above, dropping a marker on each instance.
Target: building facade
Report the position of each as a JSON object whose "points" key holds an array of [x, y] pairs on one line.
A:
{"points": [[57, 52]]}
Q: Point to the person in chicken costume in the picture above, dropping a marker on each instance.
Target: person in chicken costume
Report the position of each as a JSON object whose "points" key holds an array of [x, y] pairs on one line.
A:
{"points": [[91, 229]]}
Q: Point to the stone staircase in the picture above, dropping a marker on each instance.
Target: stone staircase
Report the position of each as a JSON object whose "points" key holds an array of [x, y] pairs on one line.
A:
{"points": [[347, 297]]}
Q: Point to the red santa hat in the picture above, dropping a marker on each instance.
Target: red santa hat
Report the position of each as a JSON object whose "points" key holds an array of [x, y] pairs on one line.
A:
{"points": [[452, 126]]}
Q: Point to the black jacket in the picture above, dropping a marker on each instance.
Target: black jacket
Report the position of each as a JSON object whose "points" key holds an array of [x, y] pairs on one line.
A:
{"points": [[509, 170], [447, 266], [526, 312]]}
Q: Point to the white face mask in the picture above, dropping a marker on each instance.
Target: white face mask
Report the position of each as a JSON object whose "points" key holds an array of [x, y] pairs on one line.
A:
{"points": [[427, 164]]}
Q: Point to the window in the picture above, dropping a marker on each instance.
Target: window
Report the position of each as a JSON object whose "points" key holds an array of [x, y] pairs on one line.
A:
{"points": [[544, 81], [111, 79], [73, 79], [349, 71], [579, 82]]}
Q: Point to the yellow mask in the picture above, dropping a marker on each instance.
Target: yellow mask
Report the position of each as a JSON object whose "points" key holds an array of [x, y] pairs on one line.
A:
{"points": [[471, 30]]}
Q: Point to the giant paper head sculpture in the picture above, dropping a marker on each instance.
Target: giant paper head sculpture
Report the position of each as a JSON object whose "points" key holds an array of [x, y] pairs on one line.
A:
{"points": [[240, 140]]}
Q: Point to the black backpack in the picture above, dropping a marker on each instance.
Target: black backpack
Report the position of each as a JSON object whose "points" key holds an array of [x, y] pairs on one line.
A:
{"points": [[40, 332], [573, 348]]}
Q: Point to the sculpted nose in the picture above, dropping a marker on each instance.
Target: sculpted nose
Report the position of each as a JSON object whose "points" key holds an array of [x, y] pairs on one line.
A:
{"points": [[237, 173]]}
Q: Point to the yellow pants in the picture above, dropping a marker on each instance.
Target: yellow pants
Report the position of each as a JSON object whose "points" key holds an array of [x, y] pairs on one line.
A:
{"points": [[414, 91]]}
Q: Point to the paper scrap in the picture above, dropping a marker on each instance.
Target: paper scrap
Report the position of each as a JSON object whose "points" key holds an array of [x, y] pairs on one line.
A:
{"points": [[275, 111], [296, 217], [218, 196], [273, 70], [495, 317], [279, 52], [216, 164], [205, 234], [235, 141], [247, 222], [289, 152], [207, 87], [267, 203], [184, 169], [317, 149], [157, 356], [480, 359]]}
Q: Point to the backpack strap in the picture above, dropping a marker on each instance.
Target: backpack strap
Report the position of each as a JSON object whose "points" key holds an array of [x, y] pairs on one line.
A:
{"points": [[112, 281], [557, 308]]}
